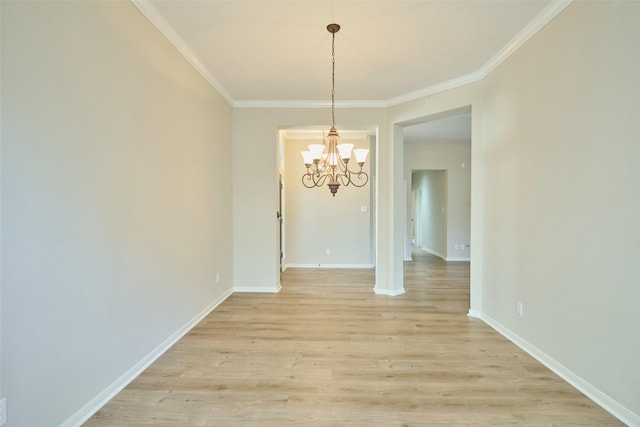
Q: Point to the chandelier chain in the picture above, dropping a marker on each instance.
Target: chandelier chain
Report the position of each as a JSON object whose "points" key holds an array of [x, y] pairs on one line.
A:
{"points": [[333, 80]]}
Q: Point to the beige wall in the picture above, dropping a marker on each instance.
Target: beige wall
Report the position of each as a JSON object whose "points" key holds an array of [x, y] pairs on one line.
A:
{"points": [[115, 201], [315, 221], [255, 184], [449, 157], [555, 197], [428, 217], [562, 201], [97, 231]]}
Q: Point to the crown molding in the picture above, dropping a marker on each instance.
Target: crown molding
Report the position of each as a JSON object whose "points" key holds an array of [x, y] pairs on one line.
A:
{"points": [[539, 22], [535, 25], [432, 90], [308, 104], [158, 21]]}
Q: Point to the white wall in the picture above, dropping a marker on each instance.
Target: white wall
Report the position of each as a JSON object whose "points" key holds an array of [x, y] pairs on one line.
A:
{"points": [[315, 221], [115, 201], [450, 157], [562, 201]]}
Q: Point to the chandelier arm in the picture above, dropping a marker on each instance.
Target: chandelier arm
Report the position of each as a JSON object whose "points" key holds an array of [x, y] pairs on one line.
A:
{"points": [[359, 176], [308, 177], [342, 166], [313, 178], [319, 180], [344, 179]]}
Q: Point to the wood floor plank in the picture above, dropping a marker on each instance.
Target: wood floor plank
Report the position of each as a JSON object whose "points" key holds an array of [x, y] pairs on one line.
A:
{"points": [[327, 351]]}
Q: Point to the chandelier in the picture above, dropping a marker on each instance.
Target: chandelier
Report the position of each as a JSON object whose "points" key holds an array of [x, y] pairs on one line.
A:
{"points": [[329, 162]]}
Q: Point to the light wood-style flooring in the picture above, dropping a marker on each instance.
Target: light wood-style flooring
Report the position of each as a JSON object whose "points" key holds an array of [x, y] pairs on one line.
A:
{"points": [[327, 351]]}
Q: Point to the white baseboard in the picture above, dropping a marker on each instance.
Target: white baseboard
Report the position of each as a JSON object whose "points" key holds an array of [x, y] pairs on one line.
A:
{"points": [[107, 394], [455, 259], [408, 259], [474, 313], [434, 252], [390, 292], [331, 265], [614, 408], [264, 289]]}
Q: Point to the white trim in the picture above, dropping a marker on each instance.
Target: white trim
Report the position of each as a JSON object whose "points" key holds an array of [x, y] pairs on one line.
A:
{"points": [[437, 88], [434, 252], [408, 259], [458, 259], [391, 293], [158, 21], [107, 394], [331, 265], [539, 22], [262, 289], [475, 313], [609, 404], [542, 19]]}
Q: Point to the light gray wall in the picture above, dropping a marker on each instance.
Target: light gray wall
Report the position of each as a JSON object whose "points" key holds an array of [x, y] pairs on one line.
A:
{"points": [[562, 201], [115, 200], [316, 221], [455, 158]]}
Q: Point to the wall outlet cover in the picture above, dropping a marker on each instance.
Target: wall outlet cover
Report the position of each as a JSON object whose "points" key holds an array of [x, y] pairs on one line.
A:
{"points": [[519, 308]]}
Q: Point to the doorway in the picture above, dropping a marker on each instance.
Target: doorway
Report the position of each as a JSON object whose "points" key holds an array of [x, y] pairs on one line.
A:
{"points": [[429, 233], [321, 230], [437, 169]]}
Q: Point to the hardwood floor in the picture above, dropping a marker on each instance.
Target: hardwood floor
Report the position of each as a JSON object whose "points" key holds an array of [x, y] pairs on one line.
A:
{"points": [[327, 351]]}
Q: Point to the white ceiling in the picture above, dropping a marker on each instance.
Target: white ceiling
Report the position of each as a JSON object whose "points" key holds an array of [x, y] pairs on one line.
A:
{"points": [[451, 128], [262, 52]]}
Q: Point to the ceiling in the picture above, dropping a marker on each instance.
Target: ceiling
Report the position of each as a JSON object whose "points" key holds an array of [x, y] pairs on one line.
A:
{"points": [[278, 53], [452, 128]]}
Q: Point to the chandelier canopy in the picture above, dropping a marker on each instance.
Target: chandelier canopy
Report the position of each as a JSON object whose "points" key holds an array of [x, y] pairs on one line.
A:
{"points": [[329, 162]]}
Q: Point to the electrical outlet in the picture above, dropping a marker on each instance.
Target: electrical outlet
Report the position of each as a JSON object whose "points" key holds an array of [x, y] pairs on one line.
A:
{"points": [[3, 411], [519, 308], [328, 251]]}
